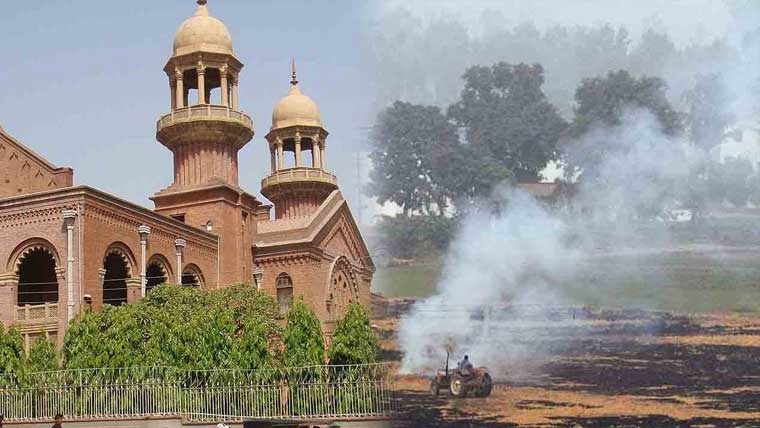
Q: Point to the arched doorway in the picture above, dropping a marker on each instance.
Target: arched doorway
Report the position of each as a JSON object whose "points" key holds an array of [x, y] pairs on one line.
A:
{"points": [[115, 278], [37, 281], [192, 276], [342, 290]]}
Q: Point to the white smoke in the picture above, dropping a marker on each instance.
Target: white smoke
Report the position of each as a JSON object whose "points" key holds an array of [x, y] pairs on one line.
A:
{"points": [[508, 269]]}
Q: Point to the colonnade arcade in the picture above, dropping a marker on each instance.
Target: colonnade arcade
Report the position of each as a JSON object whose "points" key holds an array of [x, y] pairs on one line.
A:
{"points": [[297, 141], [209, 81], [41, 279]]}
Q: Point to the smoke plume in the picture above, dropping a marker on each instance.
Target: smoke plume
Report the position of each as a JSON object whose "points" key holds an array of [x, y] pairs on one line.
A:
{"points": [[509, 268]]}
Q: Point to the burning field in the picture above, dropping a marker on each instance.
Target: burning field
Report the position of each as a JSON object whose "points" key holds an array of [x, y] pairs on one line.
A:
{"points": [[605, 368]]}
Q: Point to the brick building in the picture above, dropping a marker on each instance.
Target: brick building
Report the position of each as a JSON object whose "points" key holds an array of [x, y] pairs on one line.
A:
{"points": [[64, 246]]}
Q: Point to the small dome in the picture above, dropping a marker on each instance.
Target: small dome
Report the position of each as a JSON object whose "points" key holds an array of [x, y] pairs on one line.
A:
{"points": [[202, 32], [295, 109]]}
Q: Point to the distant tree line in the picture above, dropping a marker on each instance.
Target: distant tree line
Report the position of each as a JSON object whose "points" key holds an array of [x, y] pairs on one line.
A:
{"points": [[435, 164], [422, 61], [188, 328]]}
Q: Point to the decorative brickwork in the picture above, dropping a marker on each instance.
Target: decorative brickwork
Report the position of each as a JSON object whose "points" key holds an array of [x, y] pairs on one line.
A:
{"points": [[205, 229]]}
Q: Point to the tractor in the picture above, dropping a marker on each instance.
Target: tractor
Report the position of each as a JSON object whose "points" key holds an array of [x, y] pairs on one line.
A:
{"points": [[476, 383]]}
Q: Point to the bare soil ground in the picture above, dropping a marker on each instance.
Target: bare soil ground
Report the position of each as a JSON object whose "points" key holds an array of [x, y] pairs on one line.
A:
{"points": [[624, 369]]}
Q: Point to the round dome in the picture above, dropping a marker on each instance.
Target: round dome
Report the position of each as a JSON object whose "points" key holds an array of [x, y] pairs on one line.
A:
{"points": [[295, 109], [202, 32]]}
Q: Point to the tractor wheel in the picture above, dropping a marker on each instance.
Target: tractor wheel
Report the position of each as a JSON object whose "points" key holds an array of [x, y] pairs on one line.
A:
{"points": [[457, 386], [486, 384], [434, 387]]}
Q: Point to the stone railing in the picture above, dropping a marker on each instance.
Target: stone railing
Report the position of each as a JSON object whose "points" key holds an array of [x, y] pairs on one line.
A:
{"points": [[203, 112], [35, 313], [299, 174]]}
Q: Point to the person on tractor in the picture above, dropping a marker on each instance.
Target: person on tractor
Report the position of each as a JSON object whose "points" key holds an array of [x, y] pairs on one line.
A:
{"points": [[465, 366]]}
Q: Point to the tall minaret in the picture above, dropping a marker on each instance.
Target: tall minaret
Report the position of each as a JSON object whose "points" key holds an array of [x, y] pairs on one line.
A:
{"points": [[297, 184], [204, 130]]}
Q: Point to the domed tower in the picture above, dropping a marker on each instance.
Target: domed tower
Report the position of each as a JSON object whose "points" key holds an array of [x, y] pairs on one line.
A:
{"points": [[298, 183], [204, 130]]}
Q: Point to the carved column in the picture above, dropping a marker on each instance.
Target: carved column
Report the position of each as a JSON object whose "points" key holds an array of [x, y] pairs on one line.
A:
{"points": [[280, 155], [180, 91], [68, 219], [315, 158], [133, 290], [235, 93], [225, 89], [201, 83], [144, 232], [298, 150], [273, 157], [8, 297], [179, 245], [258, 276], [173, 88], [101, 280], [322, 159]]}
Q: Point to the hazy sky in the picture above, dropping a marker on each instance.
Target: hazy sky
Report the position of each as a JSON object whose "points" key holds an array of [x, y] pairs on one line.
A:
{"points": [[82, 81], [685, 20]]}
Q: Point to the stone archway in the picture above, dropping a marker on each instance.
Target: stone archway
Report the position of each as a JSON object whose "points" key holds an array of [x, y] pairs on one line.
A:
{"points": [[157, 272], [117, 269], [192, 276], [343, 288], [37, 278]]}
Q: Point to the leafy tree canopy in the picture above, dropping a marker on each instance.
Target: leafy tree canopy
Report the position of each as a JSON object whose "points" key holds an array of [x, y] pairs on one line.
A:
{"points": [[304, 343], [413, 145], [603, 101], [11, 351], [709, 111], [181, 327], [507, 118], [353, 341], [42, 356]]}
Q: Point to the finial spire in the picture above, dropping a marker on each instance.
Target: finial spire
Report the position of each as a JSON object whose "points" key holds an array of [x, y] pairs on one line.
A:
{"points": [[293, 80]]}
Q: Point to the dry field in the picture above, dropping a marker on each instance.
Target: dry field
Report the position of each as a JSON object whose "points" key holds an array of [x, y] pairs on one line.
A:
{"points": [[619, 368]]}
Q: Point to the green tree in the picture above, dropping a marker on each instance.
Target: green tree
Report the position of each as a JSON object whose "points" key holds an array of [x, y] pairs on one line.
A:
{"points": [[709, 111], [412, 145], [653, 54], [304, 342], [603, 101], [11, 351], [353, 341], [507, 118], [42, 356], [416, 236], [179, 327]]}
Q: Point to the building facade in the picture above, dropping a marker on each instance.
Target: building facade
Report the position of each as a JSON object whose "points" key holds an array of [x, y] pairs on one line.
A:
{"points": [[65, 247]]}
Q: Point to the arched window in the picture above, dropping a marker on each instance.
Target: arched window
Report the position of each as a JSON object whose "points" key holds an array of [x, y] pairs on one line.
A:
{"points": [[284, 292], [155, 274], [37, 282], [192, 276], [115, 279], [343, 288]]}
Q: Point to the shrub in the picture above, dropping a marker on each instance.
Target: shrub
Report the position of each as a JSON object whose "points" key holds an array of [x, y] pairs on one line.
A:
{"points": [[354, 341], [304, 343], [42, 356]]}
